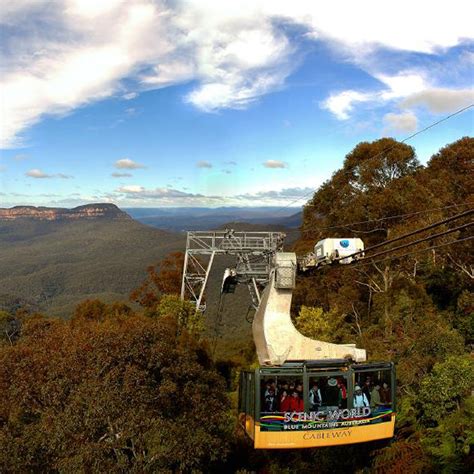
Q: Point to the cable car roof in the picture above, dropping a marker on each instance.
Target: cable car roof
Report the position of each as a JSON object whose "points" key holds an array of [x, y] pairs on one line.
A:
{"points": [[325, 364]]}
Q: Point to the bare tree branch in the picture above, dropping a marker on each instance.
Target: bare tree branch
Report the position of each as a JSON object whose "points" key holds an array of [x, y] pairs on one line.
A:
{"points": [[357, 317], [468, 270]]}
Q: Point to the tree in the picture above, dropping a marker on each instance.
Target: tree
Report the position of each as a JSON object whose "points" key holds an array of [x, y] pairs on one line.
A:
{"points": [[163, 279], [9, 327], [413, 310], [443, 390], [110, 394], [450, 172], [187, 317], [313, 323]]}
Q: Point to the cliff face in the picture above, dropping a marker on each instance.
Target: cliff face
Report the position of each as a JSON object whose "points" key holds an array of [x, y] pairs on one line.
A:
{"points": [[89, 211]]}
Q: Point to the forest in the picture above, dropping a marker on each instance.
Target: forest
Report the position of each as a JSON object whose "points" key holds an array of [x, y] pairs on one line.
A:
{"points": [[137, 388]]}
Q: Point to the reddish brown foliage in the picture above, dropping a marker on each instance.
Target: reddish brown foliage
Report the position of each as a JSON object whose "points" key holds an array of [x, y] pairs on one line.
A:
{"points": [[163, 279]]}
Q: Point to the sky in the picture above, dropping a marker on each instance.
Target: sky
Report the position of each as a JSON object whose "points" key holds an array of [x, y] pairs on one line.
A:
{"points": [[150, 103]]}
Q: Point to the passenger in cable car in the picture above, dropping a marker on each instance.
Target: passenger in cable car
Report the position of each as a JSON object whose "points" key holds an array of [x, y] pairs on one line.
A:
{"points": [[285, 402], [386, 395], [299, 389], [296, 403], [343, 392], [332, 395], [375, 400], [282, 394], [360, 399], [367, 388], [270, 385], [270, 401], [315, 399]]}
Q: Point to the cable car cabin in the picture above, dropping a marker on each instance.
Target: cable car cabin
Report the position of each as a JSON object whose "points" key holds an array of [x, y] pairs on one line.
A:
{"points": [[229, 281], [317, 403], [328, 249]]}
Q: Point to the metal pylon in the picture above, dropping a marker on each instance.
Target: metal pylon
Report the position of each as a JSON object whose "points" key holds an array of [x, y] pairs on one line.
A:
{"points": [[253, 251]]}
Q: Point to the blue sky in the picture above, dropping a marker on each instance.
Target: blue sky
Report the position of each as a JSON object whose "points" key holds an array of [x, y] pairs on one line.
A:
{"points": [[203, 103]]}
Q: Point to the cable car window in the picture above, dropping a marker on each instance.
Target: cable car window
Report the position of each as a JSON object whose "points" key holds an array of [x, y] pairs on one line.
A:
{"points": [[281, 393], [328, 392], [374, 389], [251, 393], [241, 392]]}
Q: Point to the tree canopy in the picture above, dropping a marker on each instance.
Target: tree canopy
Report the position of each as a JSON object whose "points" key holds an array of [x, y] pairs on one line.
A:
{"points": [[109, 391]]}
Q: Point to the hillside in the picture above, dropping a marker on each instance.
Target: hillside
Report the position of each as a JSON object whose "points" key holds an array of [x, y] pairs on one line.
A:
{"points": [[53, 264]]}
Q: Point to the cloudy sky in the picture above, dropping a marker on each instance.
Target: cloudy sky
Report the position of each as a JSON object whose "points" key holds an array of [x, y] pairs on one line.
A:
{"points": [[179, 103]]}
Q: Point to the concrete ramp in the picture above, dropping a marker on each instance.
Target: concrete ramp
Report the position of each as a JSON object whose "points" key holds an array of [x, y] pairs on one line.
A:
{"points": [[278, 341]]}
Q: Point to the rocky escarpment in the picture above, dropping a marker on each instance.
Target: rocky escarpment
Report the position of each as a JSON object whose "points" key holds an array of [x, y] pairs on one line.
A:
{"points": [[89, 211]]}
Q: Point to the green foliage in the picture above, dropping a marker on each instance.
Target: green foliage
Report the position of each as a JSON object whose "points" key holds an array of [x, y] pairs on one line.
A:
{"points": [[188, 318], [443, 390], [450, 443], [313, 323], [463, 319]]}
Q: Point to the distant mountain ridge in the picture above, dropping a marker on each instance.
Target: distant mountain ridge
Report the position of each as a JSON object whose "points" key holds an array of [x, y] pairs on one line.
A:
{"points": [[88, 211], [193, 218]]}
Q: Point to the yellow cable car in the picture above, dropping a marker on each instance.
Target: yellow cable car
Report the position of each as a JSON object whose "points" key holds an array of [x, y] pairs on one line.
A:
{"points": [[340, 403]]}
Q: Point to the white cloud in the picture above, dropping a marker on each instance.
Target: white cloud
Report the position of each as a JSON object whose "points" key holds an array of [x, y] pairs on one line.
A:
{"points": [[130, 95], [401, 85], [140, 192], [80, 58], [136, 194], [274, 164], [403, 122], [55, 60], [38, 174], [363, 26], [169, 73], [285, 194], [440, 100], [407, 90], [241, 60], [121, 175], [131, 189], [341, 104], [203, 164], [127, 164]]}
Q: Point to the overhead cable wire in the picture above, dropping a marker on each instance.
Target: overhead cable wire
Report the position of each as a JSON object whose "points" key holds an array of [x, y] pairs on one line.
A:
{"points": [[424, 239], [256, 258], [381, 219], [371, 262], [428, 127], [404, 236]]}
